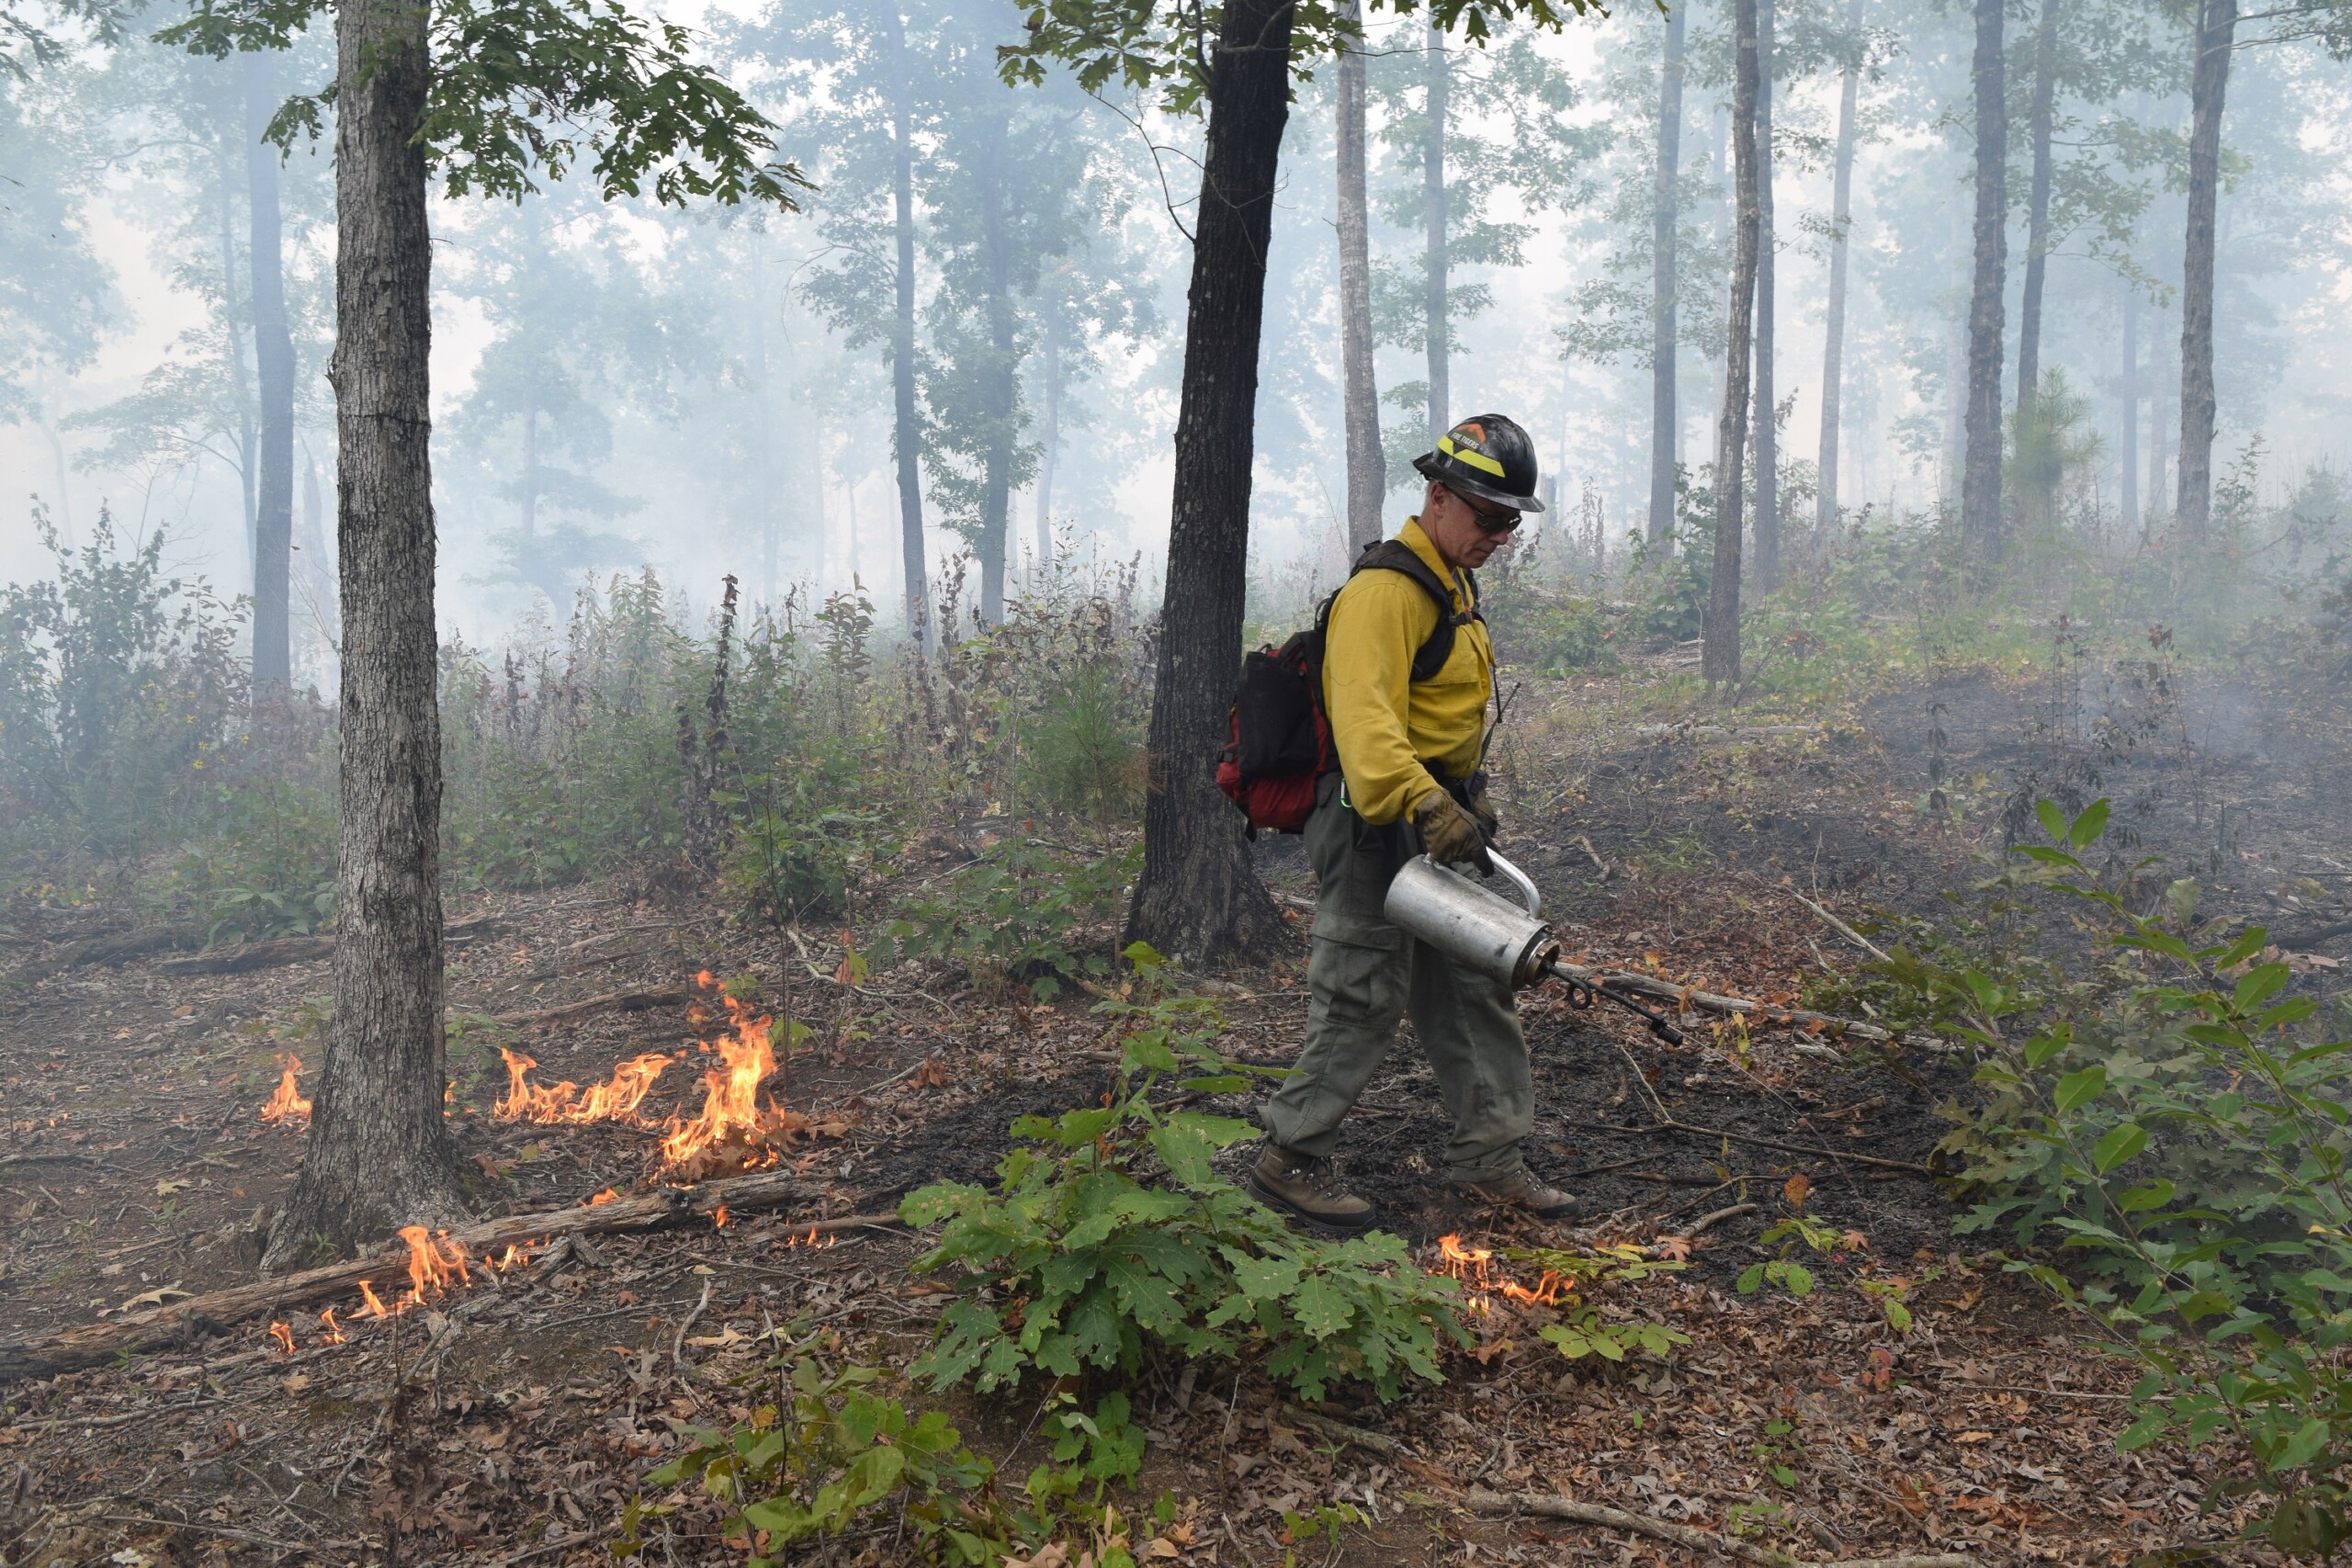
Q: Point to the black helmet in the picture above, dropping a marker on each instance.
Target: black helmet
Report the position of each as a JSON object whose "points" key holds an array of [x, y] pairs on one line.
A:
{"points": [[1486, 456]]}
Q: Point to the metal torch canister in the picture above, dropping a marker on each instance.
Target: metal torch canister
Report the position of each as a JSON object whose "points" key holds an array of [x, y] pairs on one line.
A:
{"points": [[1476, 929]]}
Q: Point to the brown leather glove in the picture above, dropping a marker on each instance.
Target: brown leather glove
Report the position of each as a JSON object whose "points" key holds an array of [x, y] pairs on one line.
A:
{"points": [[1450, 834], [1482, 811]]}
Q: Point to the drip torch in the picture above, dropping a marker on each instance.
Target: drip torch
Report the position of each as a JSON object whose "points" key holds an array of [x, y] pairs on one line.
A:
{"points": [[1487, 933]]}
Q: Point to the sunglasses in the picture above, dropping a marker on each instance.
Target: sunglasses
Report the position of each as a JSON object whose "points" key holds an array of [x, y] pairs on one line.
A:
{"points": [[1488, 522]]}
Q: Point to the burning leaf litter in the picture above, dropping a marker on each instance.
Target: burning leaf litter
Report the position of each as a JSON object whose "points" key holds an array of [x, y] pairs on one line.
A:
{"points": [[286, 1105]]}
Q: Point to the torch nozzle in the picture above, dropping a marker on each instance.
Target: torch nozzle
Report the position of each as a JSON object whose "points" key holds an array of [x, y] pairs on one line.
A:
{"points": [[1585, 990]]}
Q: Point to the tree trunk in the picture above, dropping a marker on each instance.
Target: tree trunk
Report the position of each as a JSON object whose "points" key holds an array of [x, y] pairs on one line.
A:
{"points": [[2155, 489], [2037, 212], [1719, 656], [1980, 481], [997, 387], [1841, 220], [1052, 442], [907, 436], [379, 1154], [224, 163], [1440, 327], [274, 366], [1367, 468], [2217, 25], [1198, 895], [1767, 435], [2128, 447], [1665, 218]]}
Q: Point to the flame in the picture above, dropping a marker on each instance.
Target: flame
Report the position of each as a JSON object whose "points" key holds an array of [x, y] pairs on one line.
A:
{"points": [[606, 1196], [730, 1107], [435, 1262], [284, 1333], [374, 1307], [286, 1104], [334, 1334], [511, 1258], [718, 1218], [811, 1239], [1483, 1278], [613, 1102], [1548, 1291]]}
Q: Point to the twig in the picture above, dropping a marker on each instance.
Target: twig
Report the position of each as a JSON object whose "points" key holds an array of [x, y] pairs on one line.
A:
{"points": [[1584, 842], [1709, 1221], [1841, 927], [678, 1345], [1341, 1432], [1496, 1503], [1689, 999], [248, 1537], [542, 1550]]}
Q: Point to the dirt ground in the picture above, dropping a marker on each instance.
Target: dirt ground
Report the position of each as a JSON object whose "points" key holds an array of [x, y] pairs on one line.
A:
{"points": [[510, 1423]]}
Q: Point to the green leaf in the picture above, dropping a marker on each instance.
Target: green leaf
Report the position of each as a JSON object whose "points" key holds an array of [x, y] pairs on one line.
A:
{"points": [[2088, 828], [2303, 1448], [2257, 983], [1321, 1307], [2077, 1089], [2052, 821], [2120, 1145], [2151, 1195]]}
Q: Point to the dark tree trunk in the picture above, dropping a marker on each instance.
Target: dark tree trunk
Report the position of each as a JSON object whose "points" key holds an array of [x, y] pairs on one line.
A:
{"points": [[1719, 656], [1980, 480], [1198, 895], [2217, 26], [997, 387], [1767, 435], [1665, 216], [274, 367], [2127, 447], [907, 436], [379, 1154], [1441, 326], [1841, 220], [2037, 208], [1050, 445], [1367, 469]]}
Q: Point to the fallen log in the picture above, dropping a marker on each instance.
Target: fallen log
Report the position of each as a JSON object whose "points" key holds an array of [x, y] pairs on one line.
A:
{"points": [[247, 956], [1498, 1505], [1692, 999], [168, 1327]]}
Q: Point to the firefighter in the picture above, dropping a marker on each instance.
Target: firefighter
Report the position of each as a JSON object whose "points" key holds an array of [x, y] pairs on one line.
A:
{"points": [[1404, 690]]}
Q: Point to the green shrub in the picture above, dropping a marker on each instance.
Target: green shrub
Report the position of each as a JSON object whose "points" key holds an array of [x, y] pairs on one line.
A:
{"points": [[1081, 753], [1023, 912], [265, 864], [1078, 1264]]}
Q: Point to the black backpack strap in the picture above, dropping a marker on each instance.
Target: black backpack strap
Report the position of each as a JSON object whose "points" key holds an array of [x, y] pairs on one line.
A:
{"points": [[1394, 555]]}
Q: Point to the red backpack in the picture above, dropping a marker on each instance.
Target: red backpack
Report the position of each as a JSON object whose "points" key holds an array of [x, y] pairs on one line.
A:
{"points": [[1280, 745]]}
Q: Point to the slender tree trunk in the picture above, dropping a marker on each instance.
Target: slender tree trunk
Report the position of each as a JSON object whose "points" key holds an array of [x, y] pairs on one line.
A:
{"points": [[2153, 495], [2127, 446], [274, 367], [379, 1154], [1441, 326], [1051, 369], [907, 437], [1980, 483], [2037, 212], [1841, 220], [1198, 895], [1367, 468], [2216, 24], [1719, 656], [1955, 363], [224, 162], [998, 387], [1767, 435], [1665, 208]]}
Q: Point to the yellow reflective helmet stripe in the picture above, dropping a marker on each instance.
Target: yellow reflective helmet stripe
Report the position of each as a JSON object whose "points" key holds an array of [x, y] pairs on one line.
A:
{"points": [[1478, 460]]}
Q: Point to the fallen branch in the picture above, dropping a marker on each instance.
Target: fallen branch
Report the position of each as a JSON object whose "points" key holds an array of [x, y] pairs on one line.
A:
{"points": [[1670, 1125], [1494, 1504], [619, 1001], [1709, 1221], [1341, 1432], [247, 956], [1691, 1000], [167, 1327], [1842, 928]]}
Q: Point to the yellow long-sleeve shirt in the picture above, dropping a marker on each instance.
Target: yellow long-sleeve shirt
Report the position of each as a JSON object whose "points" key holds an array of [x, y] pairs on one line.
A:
{"points": [[1391, 730]]}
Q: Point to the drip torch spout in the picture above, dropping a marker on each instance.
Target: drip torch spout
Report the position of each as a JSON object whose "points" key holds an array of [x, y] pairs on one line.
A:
{"points": [[1583, 993]]}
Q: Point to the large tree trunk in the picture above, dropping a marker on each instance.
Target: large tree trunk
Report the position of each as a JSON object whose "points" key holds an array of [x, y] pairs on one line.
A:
{"points": [[2217, 26], [1841, 220], [379, 1154], [1767, 435], [1719, 656], [907, 436], [1198, 896], [2037, 210], [1980, 481], [1367, 468], [1441, 325], [274, 366], [996, 386], [1665, 219], [2127, 447]]}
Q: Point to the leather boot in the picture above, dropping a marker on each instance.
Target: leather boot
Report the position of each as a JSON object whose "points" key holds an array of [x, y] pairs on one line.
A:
{"points": [[1521, 1189], [1307, 1187]]}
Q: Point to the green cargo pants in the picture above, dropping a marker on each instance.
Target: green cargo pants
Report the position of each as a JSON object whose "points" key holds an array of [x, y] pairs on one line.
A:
{"points": [[1362, 974]]}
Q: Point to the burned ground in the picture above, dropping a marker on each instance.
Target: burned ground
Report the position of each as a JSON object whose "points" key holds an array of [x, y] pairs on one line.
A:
{"points": [[511, 1423]]}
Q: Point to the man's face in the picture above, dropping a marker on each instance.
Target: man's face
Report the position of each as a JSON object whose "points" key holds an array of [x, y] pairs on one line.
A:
{"points": [[1465, 531]]}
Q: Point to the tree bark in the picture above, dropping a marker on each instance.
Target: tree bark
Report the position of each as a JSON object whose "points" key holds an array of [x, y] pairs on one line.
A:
{"points": [[2128, 447], [907, 437], [224, 162], [1050, 446], [2216, 24], [1980, 481], [1767, 435], [1841, 220], [996, 386], [1440, 327], [379, 1154], [1198, 896], [1367, 468], [2037, 212], [1719, 654], [274, 367], [1665, 222]]}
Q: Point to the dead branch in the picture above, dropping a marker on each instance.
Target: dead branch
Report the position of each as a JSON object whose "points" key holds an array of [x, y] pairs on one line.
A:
{"points": [[247, 956], [1841, 927], [1709, 1221], [1341, 1432], [1548, 1505], [1691, 1000], [166, 1327]]}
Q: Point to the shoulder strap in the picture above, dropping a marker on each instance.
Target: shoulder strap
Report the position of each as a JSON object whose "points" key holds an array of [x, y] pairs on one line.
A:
{"points": [[1394, 555]]}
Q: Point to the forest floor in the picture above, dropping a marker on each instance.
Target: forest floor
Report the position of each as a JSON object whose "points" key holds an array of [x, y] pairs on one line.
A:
{"points": [[512, 1422]]}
